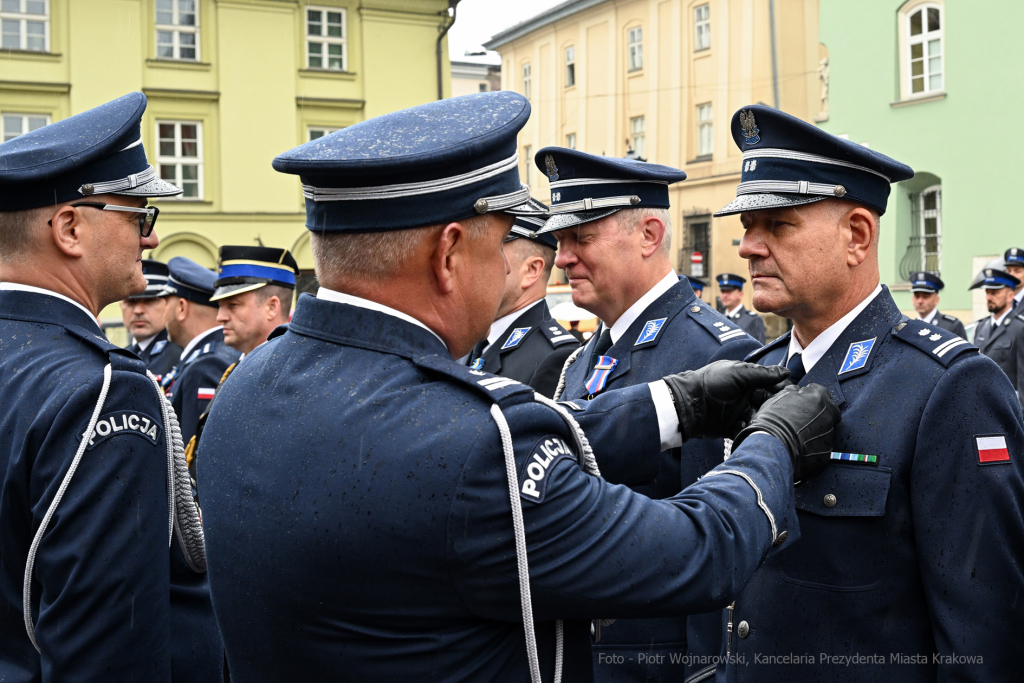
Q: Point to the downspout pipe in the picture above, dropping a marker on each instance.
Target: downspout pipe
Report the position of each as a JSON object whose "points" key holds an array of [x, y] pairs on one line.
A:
{"points": [[449, 21], [775, 58]]}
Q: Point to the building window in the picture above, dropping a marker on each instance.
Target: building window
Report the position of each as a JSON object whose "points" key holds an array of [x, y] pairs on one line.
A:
{"points": [[316, 132], [19, 124], [180, 157], [924, 43], [483, 87], [701, 28], [637, 137], [924, 251], [25, 25], [570, 66], [705, 130], [527, 80], [528, 155], [636, 49], [177, 29], [570, 141], [325, 39], [696, 240]]}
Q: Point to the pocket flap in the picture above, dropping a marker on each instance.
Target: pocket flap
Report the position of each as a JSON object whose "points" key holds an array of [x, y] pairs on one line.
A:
{"points": [[846, 491]]}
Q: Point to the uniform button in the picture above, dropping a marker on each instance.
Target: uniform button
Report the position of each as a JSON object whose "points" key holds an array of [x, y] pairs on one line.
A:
{"points": [[695, 309], [830, 501], [781, 538], [743, 630]]}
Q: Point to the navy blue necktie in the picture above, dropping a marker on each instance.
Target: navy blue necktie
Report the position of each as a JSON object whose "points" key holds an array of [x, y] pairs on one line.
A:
{"points": [[796, 368], [604, 342]]}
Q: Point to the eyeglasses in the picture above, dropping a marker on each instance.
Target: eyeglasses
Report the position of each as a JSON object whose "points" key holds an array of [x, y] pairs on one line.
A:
{"points": [[146, 220]]}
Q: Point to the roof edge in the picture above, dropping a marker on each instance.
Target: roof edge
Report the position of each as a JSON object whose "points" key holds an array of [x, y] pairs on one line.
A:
{"points": [[556, 13]]}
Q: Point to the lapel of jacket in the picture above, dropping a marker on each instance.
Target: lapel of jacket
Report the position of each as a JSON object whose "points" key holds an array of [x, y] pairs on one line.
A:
{"points": [[867, 333], [664, 308], [530, 318]]}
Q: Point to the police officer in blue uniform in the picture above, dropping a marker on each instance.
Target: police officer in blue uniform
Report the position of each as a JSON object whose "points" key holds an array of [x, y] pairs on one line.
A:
{"points": [[999, 336], [144, 317], [697, 285], [730, 287], [86, 510], [1013, 260], [192, 323], [525, 343], [375, 508], [909, 564], [925, 288], [612, 223]]}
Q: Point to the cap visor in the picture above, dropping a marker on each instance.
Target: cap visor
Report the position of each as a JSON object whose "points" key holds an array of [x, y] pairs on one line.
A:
{"points": [[924, 289], [154, 292], [230, 290], [154, 188], [561, 221], [760, 202], [532, 207]]}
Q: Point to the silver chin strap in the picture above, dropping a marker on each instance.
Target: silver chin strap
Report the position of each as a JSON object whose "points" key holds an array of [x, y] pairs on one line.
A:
{"points": [[183, 516], [589, 465]]}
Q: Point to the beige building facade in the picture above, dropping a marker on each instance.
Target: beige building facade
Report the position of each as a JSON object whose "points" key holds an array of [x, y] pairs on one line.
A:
{"points": [[662, 79]]}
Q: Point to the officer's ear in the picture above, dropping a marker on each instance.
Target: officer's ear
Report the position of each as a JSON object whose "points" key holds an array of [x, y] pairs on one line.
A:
{"points": [[652, 232], [450, 249], [66, 231], [863, 228]]}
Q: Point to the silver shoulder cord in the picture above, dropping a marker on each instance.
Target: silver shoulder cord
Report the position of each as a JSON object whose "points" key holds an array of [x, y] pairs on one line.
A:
{"points": [[589, 465], [182, 512], [565, 367]]}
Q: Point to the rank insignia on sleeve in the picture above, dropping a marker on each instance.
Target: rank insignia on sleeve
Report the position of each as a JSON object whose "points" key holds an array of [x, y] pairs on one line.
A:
{"points": [[857, 355], [856, 457], [650, 331], [992, 449], [514, 338]]}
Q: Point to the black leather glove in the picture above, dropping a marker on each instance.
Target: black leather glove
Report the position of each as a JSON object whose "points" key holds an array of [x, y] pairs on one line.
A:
{"points": [[804, 420], [719, 399]]}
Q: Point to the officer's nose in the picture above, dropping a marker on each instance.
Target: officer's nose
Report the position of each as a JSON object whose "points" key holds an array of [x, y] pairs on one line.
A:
{"points": [[751, 245], [565, 255]]}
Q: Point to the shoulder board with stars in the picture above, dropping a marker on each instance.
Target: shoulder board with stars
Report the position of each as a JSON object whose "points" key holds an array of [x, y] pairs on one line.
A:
{"points": [[938, 344], [951, 318], [501, 390], [556, 334], [721, 329]]}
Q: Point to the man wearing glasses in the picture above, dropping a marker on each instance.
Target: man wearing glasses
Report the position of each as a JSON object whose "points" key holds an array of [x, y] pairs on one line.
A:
{"points": [[84, 520]]}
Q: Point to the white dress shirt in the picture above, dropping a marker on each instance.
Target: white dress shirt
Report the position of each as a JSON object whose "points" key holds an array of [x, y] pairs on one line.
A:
{"points": [[732, 314], [931, 316], [196, 340], [143, 344], [499, 326], [824, 341], [15, 287], [996, 322], [640, 305], [342, 298]]}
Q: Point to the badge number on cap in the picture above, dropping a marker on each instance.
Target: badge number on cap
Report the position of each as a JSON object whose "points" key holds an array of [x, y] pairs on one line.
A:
{"points": [[992, 449]]}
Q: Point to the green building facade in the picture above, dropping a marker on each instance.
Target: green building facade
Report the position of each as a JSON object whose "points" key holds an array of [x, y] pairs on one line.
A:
{"points": [[936, 85]]}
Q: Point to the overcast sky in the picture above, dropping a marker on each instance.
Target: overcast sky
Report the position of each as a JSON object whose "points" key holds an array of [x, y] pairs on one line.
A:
{"points": [[478, 20]]}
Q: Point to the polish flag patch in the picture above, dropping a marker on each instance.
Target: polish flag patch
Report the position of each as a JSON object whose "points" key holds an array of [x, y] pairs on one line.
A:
{"points": [[207, 394], [992, 449]]}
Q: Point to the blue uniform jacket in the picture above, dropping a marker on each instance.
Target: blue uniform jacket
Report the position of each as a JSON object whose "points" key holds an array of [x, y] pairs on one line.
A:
{"points": [[693, 335], [160, 356], [196, 378], [914, 562], [100, 583], [358, 522]]}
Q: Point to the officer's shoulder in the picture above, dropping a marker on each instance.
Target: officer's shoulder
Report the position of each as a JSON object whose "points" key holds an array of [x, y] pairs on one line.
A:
{"points": [[939, 344], [121, 360], [952, 318], [768, 348], [713, 322], [556, 334], [484, 385]]}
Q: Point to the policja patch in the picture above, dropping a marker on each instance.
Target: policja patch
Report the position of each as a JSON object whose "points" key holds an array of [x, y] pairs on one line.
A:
{"points": [[124, 423], [545, 454]]}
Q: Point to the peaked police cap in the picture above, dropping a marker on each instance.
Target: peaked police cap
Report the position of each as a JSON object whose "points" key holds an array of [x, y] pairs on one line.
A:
{"points": [[530, 227], [191, 281], [789, 162], [96, 152], [586, 187], [438, 162], [157, 280], [730, 281], [243, 269], [925, 282]]}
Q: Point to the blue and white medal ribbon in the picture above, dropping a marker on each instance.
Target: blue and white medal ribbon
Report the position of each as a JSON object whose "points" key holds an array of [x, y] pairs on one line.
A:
{"points": [[603, 368]]}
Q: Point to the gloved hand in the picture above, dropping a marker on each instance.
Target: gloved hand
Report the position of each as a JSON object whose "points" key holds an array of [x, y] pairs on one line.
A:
{"points": [[804, 420], [719, 399]]}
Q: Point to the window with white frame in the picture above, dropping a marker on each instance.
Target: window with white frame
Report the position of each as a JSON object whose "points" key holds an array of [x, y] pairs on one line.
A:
{"points": [[930, 227], [701, 27], [635, 42], [316, 132], [25, 25], [19, 124], [924, 50], [570, 66], [570, 141], [180, 156], [637, 136], [528, 155], [705, 130], [177, 29], [326, 34], [527, 80]]}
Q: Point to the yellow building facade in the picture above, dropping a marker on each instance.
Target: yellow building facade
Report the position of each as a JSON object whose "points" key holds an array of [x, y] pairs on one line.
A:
{"points": [[662, 79], [231, 84]]}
